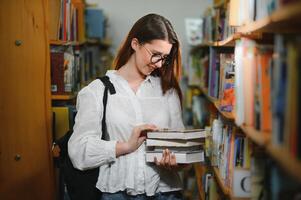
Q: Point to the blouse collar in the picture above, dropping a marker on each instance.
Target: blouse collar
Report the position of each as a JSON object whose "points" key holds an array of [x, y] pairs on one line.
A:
{"points": [[112, 74]]}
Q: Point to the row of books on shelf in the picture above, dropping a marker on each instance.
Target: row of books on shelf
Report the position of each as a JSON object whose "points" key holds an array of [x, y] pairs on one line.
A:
{"points": [[229, 151], [241, 169], [72, 67], [258, 83], [264, 180], [71, 20], [267, 89], [214, 69], [213, 26], [221, 22], [243, 12]]}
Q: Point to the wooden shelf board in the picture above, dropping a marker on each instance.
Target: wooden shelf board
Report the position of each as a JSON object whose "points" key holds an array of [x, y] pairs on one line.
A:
{"points": [[228, 115], [211, 99], [281, 21], [63, 97], [220, 3], [290, 165], [230, 41], [60, 42], [219, 180], [259, 137]]}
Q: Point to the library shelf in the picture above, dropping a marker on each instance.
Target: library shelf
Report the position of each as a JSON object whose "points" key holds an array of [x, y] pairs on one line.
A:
{"points": [[227, 115], [289, 164], [63, 97], [226, 191], [261, 138], [220, 182], [216, 103], [105, 42], [205, 92], [285, 19], [198, 173], [220, 3], [61, 42], [230, 41]]}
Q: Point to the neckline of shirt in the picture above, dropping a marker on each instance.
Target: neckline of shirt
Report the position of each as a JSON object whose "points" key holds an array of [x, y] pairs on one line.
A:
{"points": [[113, 74]]}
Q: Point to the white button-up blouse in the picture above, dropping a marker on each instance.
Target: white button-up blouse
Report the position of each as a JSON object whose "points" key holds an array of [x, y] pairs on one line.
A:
{"points": [[125, 109]]}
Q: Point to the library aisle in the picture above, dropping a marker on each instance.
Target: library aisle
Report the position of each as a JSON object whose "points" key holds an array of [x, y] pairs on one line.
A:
{"points": [[240, 85], [243, 87]]}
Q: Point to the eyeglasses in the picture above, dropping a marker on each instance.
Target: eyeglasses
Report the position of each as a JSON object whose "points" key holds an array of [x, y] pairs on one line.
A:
{"points": [[156, 57]]}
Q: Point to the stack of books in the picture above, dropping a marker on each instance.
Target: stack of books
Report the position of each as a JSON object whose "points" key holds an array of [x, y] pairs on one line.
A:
{"points": [[186, 145]]}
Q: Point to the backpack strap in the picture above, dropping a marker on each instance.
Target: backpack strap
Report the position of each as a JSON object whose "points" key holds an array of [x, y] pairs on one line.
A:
{"points": [[108, 87]]}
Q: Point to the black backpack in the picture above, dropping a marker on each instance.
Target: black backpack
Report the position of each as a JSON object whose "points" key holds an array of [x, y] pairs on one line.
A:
{"points": [[81, 184]]}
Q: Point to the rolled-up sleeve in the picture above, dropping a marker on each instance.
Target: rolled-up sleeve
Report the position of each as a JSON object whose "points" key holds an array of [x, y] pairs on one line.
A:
{"points": [[85, 147], [174, 106]]}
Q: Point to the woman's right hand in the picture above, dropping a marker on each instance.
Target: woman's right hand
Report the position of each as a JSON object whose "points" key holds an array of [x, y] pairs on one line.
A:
{"points": [[136, 139]]}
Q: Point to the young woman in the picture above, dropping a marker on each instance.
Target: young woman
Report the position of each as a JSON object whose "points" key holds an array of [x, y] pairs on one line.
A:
{"points": [[147, 97]]}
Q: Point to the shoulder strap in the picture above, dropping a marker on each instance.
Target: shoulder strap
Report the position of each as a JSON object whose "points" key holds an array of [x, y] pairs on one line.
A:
{"points": [[108, 86]]}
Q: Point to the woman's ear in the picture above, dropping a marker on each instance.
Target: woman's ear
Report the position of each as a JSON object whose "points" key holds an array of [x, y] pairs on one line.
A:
{"points": [[135, 44]]}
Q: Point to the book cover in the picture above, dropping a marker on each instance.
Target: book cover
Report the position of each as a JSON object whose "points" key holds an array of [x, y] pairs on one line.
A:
{"points": [[241, 183], [95, 23], [264, 59], [54, 16], [177, 134], [61, 121], [57, 72], [181, 157]]}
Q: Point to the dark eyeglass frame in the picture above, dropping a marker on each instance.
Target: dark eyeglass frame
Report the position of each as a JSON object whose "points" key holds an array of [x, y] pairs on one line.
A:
{"points": [[155, 58]]}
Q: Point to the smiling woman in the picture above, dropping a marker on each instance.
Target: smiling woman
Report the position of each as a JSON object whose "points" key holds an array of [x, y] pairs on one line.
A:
{"points": [[147, 97], [150, 59]]}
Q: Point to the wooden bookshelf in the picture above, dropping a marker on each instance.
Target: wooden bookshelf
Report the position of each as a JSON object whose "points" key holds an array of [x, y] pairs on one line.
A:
{"points": [[259, 137], [63, 97], [288, 163], [227, 115], [230, 41], [60, 42], [286, 19], [219, 3], [205, 92], [216, 102], [225, 189]]}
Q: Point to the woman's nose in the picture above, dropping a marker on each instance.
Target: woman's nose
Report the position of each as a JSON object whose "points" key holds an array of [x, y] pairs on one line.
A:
{"points": [[159, 64]]}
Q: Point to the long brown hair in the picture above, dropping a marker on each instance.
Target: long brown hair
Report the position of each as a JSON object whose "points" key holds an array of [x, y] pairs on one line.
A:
{"points": [[146, 29]]}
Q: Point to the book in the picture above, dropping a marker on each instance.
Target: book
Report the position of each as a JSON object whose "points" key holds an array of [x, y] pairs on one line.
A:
{"points": [[95, 23], [177, 134], [177, 149], [57, 72], [174, 142], [181, 157], [61, 121]]}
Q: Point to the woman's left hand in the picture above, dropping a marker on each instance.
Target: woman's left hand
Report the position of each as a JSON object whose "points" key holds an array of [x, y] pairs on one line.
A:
{"points": [[168, 161]]}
